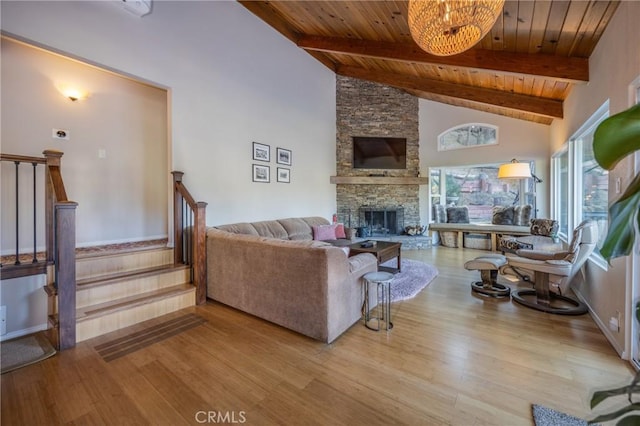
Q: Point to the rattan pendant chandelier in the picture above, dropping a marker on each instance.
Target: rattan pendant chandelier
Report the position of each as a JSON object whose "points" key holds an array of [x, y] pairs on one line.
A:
{"points": [[449, 27]]}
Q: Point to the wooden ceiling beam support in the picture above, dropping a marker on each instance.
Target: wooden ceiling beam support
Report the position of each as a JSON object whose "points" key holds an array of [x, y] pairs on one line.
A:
{"points": [[574, 70], [266, 12], [530, 104]]}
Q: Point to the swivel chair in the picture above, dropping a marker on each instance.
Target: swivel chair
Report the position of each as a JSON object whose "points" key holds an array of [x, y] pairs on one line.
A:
{"points": [[553, 269]]}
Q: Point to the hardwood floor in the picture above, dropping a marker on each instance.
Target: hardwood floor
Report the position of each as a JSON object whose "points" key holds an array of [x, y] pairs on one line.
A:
{"points": [[452, 358]]}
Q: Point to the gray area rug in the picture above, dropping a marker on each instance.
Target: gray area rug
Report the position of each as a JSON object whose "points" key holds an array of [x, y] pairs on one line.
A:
{"points": [[23, 351], [544, 416], [414, 277]]}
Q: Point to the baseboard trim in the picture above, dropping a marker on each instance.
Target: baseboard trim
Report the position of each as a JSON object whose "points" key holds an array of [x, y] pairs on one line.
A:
{"points": [[603, 327], [23, 332]]}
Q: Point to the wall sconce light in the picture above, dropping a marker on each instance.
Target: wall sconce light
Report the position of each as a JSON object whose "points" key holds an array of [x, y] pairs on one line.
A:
{"points": [[73, 93]]}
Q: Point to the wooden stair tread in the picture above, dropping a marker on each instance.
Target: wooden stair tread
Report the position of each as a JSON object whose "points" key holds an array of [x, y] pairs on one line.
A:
{"points": [[118, 249], [106, 279], [11, 270], [94, 311]]}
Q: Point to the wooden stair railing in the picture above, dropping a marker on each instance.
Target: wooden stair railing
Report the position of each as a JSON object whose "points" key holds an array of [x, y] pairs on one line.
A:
{"points": [[189, 225], [60, 242]]}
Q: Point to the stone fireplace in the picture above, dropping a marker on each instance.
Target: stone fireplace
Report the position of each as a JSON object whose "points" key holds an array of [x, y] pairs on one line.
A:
{"points": [[382, 200]]}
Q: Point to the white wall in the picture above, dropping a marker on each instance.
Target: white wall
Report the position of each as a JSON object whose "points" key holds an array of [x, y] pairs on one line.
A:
{"points": [[614, 64], [26, 304], [118, 194], [523, 140], [232, 80]]}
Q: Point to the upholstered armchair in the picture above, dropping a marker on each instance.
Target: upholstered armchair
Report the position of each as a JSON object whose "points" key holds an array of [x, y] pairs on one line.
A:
{"points": [[543, 232], [552, 272]]}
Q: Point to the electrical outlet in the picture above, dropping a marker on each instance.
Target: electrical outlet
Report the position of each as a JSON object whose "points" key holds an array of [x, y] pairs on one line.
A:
{"points": [[614, 325], [60, 134], [3, 320]]}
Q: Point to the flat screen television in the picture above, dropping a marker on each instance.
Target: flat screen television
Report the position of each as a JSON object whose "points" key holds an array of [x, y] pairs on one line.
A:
{"points": [[379, 153]]}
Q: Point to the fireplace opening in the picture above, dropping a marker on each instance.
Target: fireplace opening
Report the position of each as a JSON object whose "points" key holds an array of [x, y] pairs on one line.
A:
{"points": [[380, 222]]}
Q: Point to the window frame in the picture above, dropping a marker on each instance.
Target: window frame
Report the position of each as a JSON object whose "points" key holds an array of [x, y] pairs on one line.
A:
{"points": [[525, 186], [573, 148], [556, 184], [442, 147]]}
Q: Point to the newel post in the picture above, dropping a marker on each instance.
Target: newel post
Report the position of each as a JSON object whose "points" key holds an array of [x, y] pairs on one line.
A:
{"points": [[200, 253], [53, 160], [65, 281], [177, 218]]}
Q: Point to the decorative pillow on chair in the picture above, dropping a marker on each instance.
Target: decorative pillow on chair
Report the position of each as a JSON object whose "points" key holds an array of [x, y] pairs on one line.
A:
{"points": [[458, 214], [502, 216], [522, 215], [509, 244], [324, 232], [544, 227]]}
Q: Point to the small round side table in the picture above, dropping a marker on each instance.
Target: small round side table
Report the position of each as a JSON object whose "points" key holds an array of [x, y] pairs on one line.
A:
{"points": [[382, 280]]}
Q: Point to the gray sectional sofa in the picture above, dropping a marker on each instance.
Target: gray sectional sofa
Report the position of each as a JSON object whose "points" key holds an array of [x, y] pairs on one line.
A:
{"points": [[276, 271]]}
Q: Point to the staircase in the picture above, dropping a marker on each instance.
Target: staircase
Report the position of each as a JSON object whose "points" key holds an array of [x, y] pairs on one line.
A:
{"points": [[120, 288], [95, 291]]}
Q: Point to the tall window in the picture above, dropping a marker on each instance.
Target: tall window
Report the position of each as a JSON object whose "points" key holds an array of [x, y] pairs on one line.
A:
{"points": [[478, 188], [561, 170], [575, 167], [595, 186]]}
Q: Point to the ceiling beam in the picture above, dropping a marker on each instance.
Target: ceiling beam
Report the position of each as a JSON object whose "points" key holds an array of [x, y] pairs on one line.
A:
{"points": [[492, 109], [531, 104], [266, 12], [574, 70]]}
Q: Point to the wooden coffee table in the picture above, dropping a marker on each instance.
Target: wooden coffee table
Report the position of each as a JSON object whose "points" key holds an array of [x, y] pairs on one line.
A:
{"points": [[382, 250]]}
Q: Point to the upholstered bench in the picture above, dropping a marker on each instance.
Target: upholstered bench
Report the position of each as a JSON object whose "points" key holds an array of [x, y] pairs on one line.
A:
{"points": [[488, 266]]}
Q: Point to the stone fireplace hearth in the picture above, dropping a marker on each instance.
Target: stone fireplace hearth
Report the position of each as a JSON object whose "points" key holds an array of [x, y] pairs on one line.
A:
{"points": [[369, 109]]}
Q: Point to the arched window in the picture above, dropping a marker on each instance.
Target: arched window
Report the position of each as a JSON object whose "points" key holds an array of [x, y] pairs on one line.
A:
{"points": [[468, 136]]}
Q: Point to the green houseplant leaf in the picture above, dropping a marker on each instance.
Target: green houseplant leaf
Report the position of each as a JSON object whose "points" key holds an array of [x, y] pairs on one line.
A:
{"points": [[623, 217], [615, 138], [600, 396]]}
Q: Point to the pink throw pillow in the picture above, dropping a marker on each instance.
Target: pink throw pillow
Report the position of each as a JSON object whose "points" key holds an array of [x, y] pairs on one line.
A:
{"points": [[340, 231], [324, 232]]}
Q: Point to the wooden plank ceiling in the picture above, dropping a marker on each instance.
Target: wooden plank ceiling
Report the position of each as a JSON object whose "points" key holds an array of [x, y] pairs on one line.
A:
{"points": [[524, 68]]}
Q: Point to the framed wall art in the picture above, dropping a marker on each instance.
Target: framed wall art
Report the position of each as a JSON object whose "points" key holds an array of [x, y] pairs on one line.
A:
{"points": [[283, 156], [284, 175], [261, 152], [261, 173]]}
